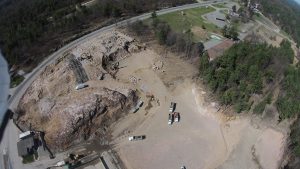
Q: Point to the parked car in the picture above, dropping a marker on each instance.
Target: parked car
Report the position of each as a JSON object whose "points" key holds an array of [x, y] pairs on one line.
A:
{"points": [[172, 107], [136, 138], [140, 103], [183, 167], [176, 116]]}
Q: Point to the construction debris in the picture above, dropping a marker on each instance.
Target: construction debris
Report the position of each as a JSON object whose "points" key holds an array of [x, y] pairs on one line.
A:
{"points": [[157, 65]]}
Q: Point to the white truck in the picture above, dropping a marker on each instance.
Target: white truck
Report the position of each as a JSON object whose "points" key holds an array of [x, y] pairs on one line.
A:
{"points": [[81, 86], [136, 138], [171, 118]]}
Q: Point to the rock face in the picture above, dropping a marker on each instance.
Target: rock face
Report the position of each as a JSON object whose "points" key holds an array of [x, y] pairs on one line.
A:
{"points": [[70, 116]]}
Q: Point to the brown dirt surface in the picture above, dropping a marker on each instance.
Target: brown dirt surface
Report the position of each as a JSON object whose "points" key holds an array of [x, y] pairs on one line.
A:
{"points": [[52, 104], [199, 32], [204, 137]]}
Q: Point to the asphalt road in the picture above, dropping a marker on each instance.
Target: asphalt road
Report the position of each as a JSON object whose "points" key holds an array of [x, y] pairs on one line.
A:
{"points": [[10, 137]]}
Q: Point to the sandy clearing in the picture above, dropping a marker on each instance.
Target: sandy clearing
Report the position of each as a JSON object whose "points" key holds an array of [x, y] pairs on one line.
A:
{"points": [[267, 152], [202, 139]]}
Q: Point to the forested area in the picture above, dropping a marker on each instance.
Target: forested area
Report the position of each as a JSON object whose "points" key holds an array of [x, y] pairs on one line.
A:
{"points": [[246, 69], [31, 29], [284, 13], [289, 104], [253, 68]]}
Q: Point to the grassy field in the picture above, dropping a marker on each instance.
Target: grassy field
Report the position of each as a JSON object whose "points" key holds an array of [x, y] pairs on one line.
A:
{"points": [[190, 18], [220, 5]]}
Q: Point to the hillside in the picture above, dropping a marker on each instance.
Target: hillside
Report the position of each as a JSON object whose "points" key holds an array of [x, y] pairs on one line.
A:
{"points": [[240, 73]]}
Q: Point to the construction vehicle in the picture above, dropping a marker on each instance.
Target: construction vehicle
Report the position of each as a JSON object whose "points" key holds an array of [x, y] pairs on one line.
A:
{"points": [[176, 116], [171, 117], [172, 107]]}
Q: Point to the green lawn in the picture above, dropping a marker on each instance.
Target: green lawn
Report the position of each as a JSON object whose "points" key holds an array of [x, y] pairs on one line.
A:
{"points": [[220, 5], [192, 17]]}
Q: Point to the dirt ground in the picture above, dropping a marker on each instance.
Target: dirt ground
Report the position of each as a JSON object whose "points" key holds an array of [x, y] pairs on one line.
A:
{"points": [[204, 138]]}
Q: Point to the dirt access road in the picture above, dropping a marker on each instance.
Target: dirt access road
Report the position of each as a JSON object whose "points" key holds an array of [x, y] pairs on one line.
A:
{"points": [[203, 139]]}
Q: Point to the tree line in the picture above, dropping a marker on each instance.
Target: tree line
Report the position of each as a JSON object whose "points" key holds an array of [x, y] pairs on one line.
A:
{"points": [[246, 69], [29, 29]]}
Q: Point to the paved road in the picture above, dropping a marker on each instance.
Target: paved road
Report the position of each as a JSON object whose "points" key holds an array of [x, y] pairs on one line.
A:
{"points": [[11, 132]]}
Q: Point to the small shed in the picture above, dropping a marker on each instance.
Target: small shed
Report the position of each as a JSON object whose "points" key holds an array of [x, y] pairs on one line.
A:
{"points": [[26, 146]]}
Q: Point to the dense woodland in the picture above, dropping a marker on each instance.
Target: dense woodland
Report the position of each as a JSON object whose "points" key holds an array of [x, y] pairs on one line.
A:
{"points": [[246, 69], [31, 29]]}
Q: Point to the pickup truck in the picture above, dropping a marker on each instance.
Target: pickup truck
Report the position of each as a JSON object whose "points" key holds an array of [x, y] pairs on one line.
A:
{"points": [[81, 86], [171, 118], [172, 107], [136, 138]]}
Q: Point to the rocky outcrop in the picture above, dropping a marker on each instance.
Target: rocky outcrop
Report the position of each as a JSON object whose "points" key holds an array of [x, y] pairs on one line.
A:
{"points": [[68, 116], [77, 119]]}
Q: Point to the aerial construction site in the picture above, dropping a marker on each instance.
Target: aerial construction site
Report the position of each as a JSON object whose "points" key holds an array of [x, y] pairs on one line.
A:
{"points": [[188, 85], [128, 89]]}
